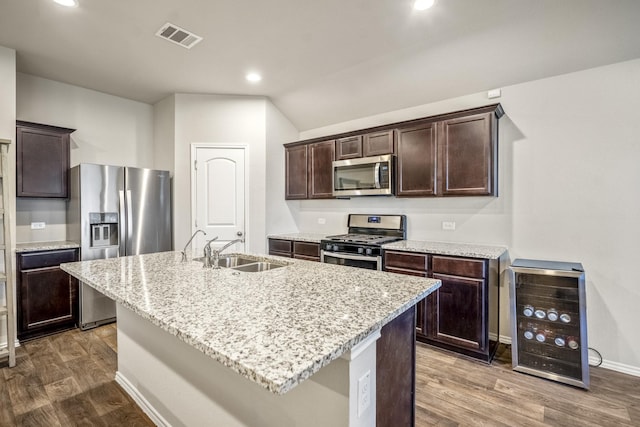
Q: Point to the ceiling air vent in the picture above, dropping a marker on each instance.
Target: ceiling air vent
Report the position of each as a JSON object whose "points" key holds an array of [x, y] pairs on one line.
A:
{"points": [[178, 35]]}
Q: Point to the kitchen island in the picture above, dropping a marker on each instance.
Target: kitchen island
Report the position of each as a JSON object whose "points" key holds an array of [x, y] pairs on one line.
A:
{"points": [[295, 345]]}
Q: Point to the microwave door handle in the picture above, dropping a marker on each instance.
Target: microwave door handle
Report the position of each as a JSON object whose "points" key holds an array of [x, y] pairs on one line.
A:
{"points": [[377, 175]]}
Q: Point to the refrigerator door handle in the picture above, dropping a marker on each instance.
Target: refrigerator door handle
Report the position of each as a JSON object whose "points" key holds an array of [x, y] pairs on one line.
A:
{"points": [[123, 224], [129, 247]]}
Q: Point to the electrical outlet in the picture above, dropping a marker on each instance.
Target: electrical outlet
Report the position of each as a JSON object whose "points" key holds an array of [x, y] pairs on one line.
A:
{"points": [[364, 393], [448, 225], [322, 221], [38, 225]]}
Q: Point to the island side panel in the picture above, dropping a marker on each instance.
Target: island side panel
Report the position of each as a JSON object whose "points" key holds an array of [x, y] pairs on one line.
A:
{"points": [[396, 372], [176, 385]]}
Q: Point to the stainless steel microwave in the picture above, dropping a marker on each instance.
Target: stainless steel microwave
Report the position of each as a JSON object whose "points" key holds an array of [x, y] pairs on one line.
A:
{"points": [[366, 176]]}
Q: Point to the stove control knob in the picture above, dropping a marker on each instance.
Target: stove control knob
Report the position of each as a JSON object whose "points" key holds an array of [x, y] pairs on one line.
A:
{"points": [[360, 250], [335, 248], [327, 246], [368, 251]]}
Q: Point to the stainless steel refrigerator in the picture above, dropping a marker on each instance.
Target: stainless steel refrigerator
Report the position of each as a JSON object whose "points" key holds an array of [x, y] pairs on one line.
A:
{"points": [[116, 211]]}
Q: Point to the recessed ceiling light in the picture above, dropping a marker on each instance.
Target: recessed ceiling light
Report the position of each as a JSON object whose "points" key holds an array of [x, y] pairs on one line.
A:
{"points": [[254, 77], [67, 3], [423, 4]]}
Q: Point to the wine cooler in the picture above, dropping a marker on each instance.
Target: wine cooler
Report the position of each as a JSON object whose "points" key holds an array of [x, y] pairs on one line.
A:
{"points": [[549, 320]]}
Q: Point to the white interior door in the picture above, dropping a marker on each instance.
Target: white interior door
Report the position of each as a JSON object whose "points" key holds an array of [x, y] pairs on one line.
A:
{"points": [[219, 191]]}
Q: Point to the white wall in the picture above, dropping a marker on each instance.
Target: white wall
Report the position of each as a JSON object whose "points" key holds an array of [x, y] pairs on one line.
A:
{"points": [[221, 119], [568, 178], [109, 130], [8, 131], [279, 217]]}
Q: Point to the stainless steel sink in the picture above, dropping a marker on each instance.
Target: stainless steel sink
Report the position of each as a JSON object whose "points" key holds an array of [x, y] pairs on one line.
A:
{"points": [[247, 265], [230, 261], [257, 267]]}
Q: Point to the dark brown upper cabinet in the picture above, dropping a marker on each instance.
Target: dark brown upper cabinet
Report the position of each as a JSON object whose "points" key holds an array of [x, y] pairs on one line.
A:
{"points": [[42, 160], [452, 154], [468, 156], [309, 170], [349, 147], [320, 175], [377, 143], [456, 156], [370, 144], [416, 161], [296, 166]]}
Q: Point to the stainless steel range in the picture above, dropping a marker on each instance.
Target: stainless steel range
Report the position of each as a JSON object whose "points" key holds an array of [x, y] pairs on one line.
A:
{"points": [[362, 245]]}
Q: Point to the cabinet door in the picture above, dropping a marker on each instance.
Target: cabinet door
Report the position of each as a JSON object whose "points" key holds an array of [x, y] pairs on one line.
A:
{"points": [[321, 156], [349, 148], [42, 161], [48, 300], [377, 143], [467, 148], [296, 166], [455, 312], [416, 162]]}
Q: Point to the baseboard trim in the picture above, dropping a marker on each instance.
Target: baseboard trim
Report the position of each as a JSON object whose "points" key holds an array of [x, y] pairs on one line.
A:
{"points": [[615, 366], [593, 360], [142, 402]]}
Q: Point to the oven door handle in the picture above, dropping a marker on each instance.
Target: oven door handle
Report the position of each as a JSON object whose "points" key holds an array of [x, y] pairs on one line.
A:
{"points": [[351, 257]]}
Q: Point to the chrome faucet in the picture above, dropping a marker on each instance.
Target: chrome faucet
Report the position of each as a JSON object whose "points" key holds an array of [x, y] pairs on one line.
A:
{"points": [[216, 252], [184, 251], [207, 253]]}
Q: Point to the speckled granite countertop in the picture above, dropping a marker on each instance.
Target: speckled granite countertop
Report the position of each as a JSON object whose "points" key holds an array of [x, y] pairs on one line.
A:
{"points": [[45, 246], [276, 327], [447, 248], [299, 237]]}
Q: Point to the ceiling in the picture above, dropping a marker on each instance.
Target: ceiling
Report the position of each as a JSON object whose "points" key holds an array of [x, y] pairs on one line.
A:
{"points": [[322, 62]]}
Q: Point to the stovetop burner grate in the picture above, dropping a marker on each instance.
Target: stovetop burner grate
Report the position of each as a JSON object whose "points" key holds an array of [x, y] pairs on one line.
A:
{"points": [[362, 238]]}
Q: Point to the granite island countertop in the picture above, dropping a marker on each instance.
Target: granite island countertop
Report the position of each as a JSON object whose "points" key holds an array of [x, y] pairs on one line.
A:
{"points": [[276, 327]]}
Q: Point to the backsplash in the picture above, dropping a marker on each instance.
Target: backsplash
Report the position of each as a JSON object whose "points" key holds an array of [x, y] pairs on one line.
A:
{"points": [[53, 212]]}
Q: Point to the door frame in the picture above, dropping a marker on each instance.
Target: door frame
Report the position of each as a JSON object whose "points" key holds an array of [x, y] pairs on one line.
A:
{"points": [[194, 148]]}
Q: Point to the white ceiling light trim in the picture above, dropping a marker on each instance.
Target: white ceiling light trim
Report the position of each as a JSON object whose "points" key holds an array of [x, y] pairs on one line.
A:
{"points": [[67, 3], [178, 35], [423, 4]]}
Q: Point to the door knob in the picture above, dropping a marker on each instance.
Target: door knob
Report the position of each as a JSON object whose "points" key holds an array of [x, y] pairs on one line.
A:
{"points": [[239, 233]]}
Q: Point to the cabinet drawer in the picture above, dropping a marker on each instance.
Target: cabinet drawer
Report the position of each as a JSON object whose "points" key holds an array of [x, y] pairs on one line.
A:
{"points": [[306, 249], [459, 266], [406, 260], [276, 245], [46, 258], [405, 271]]}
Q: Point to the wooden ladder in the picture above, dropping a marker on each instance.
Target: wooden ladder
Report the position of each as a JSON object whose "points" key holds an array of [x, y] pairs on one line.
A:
{"points": [[6, 309]]}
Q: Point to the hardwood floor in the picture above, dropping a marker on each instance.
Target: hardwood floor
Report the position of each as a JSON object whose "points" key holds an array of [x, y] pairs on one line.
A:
{"points": [[68, 379], [454, 391]]}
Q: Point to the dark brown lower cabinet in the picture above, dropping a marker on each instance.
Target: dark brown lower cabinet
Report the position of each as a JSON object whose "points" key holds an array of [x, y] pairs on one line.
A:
{"points": [[462, 315], [295, 249], [47, 296], [396, 373]]}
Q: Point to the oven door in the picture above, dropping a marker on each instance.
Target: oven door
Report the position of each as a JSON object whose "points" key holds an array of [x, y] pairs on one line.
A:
{"points": [[360, 261]]}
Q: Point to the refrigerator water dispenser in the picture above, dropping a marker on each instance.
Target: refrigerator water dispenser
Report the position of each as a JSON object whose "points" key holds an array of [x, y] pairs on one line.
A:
{"points": [[104, 229]]}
